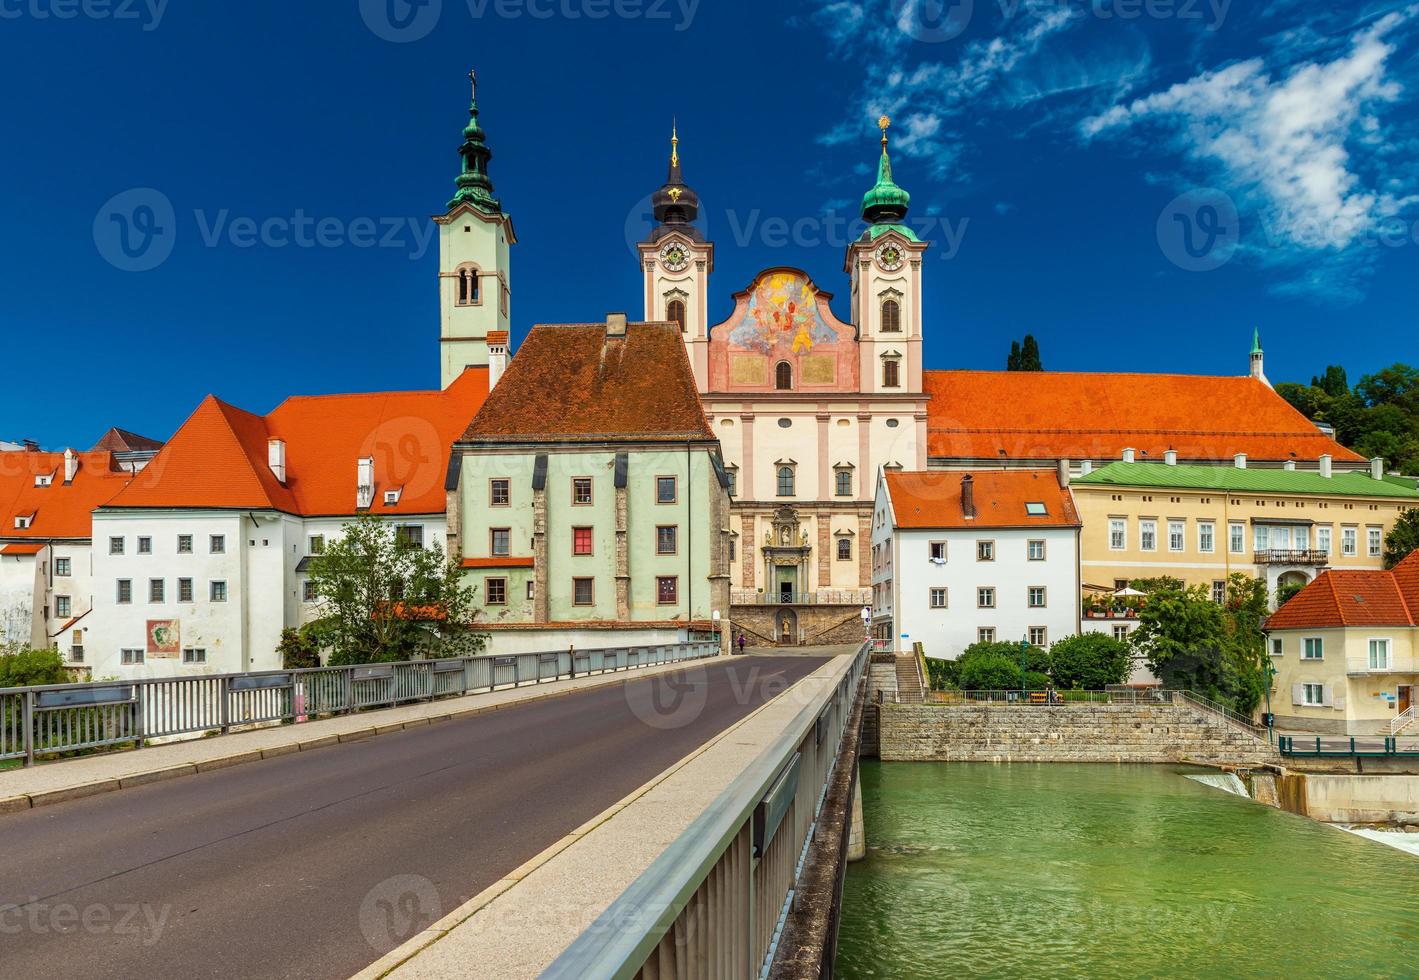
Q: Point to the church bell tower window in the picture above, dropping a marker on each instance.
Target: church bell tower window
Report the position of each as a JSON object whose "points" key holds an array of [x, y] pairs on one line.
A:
{"points": [[675, 312], [891, 316], [783, 376]]}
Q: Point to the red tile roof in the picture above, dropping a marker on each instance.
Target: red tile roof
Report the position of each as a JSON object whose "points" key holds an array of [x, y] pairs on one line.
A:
{"points": [[933, 499], [219, 457], [60, 510], [29, 548], [573, 383], [1056, 414], [1354, 597], [118, 440]]}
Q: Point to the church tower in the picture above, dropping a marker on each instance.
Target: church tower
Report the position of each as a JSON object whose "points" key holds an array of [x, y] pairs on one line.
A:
{"points": [[1258, 359], [677, 262], [475, 236], [885, 268]]}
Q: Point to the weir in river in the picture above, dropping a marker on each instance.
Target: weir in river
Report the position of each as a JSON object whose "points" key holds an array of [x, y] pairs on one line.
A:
{"points": [[1112, 871]]}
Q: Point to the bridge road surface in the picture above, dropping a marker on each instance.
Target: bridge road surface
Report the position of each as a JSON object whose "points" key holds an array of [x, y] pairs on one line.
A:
{"points": [[280, 868]]}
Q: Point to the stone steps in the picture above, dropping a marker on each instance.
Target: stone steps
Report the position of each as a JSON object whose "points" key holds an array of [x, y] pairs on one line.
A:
{"points": [[909, 689]]}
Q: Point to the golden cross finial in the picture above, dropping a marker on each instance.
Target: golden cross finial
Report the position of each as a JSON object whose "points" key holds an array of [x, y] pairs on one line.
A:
{"points": [[882, 124], [674, 141]]}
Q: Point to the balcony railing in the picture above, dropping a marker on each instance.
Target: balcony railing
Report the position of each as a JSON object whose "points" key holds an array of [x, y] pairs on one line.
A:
{"points": [[1384, 665], [1292, 556], [822, 597]]}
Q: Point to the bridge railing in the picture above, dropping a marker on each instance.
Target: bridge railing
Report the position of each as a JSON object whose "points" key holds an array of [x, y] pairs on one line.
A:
{"points": [[59, 719], [1318, 746], [713, 904]]}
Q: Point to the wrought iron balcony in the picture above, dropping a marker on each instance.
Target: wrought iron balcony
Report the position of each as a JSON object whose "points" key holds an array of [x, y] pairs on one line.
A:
{"points": [[822, 597], [1291, 556]]}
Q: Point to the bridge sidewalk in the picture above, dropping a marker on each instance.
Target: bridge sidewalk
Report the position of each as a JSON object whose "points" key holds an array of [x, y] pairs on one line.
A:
{"points": [[71, 779]]}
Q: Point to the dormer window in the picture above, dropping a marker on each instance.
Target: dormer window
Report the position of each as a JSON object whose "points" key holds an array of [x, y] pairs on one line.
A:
{"points": [[391, 497], [44, 479], [23, 522]]}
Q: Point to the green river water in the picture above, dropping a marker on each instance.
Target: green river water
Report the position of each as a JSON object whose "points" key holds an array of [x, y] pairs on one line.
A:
{"points": [[1030, 871]]}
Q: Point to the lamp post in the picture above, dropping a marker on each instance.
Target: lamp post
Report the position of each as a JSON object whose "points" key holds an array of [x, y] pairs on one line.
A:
{"points": [[1024, 662]]}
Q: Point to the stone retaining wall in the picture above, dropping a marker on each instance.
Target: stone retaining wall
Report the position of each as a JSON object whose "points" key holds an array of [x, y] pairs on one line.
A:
{"points": [[1063, 733]]}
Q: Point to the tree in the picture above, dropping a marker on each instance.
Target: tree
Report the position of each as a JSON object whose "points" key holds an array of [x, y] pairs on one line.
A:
{"points": [[1403, 538], [1333, 382], [1089, 662], [384, 599], [1191, 642], [1024, 356], [1378, 417], [23, 667], [990, 671], [299, 648], [1030, 355]]}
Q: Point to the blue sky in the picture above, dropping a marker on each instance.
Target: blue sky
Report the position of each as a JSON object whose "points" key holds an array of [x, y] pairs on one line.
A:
{"points": [[1137, 182]]}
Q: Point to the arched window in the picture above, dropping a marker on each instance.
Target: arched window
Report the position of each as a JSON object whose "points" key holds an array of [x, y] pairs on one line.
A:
{"points": [[675, 312], [785, 481], [468, 287], [783, 376], [891, 316]]}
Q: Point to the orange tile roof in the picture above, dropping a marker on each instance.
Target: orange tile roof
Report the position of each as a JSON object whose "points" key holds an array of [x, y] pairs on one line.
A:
{"points": [[28, 548], [933, 499], [1354, 597], [117, 440], [60, 510], [1058, 414], [571, 383], [219, 457]]}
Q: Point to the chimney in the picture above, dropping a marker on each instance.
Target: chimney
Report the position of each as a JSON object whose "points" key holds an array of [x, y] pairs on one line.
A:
{"points": [[1129, 455], [1171, 457], [615, 325], [1289, 466], [1064, 472], [1377, 468], [968, 496], [1086, 467], [276, 458], [1240, 461], [71, 466], [497, 363], [1325, 462], [364, 487]]}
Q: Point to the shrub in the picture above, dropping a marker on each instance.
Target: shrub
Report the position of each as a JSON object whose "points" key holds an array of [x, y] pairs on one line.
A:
{"points": [[30, 668], [1089, 662], [1036, 681], [989, 671], [942, 674], [298, 649]]}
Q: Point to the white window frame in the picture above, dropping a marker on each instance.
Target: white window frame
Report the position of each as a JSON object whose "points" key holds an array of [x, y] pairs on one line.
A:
{"points": [[1376, 644], [1207, 537], [130, 657], [1148, 532], [1236, 538], [1319, 647], [985, 634], [932, 594], [1118, 534], [194, 656], [1030, 548], [1043, 640], [1177, 536], [1374, 539], [1324, 534], [1030, 602], [1313, 695], [1349, 542], [982, 593]]}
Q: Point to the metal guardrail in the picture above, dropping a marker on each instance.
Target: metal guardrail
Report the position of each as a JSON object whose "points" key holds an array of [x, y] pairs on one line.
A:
{"points": [[1320, 746], [64, 718], [822, 597], [1404, 719], [713, 904]]}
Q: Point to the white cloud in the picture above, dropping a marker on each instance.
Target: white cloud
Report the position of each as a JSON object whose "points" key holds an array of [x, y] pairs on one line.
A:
{"points": [[1300, 145]]}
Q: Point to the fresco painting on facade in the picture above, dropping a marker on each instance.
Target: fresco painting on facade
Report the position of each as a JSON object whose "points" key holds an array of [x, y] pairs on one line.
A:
{"points": [[782, 315]]}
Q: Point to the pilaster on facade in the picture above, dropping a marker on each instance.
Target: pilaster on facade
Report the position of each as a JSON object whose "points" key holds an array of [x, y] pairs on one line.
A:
{"points": [[623, 557], [540, 598], [867, 474]]}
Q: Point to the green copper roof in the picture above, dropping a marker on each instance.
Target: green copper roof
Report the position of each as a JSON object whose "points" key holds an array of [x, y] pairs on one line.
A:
{"points": [[1256, 341], [474, 185], [875, 232], [886, 203], [1230, 478]]}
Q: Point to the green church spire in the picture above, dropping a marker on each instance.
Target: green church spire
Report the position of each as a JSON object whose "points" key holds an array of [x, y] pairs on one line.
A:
{"points": [[885, 203], [474, 186], [1256, 340]]}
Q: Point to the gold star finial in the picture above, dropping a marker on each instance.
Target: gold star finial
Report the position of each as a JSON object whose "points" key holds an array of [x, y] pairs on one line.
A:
{"points": [[674, 142], [883, 123]]}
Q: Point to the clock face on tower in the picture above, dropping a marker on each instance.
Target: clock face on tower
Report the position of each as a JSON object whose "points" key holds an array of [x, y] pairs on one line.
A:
{"points": [[674, 256], [889, 256]]}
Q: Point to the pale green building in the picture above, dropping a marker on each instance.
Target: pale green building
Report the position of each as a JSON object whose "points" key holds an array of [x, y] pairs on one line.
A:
{"points": [[588, 497]]}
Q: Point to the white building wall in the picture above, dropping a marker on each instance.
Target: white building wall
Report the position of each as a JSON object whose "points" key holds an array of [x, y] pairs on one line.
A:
{"points": [[22, 599], [265, 594]]}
